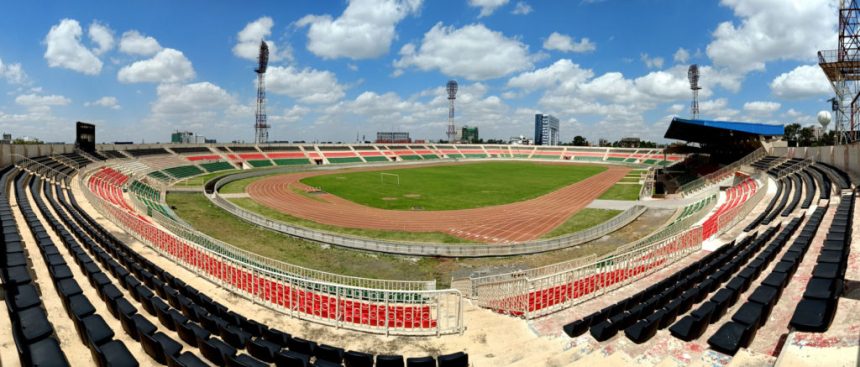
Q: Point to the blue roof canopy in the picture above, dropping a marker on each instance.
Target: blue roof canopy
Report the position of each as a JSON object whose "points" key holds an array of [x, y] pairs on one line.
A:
{"points": [[704, 131]]}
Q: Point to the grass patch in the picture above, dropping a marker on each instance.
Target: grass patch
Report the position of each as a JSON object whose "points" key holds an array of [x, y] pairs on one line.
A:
{"points": [[238, 186], [196, 209], [256, 207], [454, 186], [585, 218], [622, 192], [629, 179], [202, 179]]}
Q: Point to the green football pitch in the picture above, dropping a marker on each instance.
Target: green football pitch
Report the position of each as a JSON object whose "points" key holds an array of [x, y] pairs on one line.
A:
{"points": [[452, 187]]}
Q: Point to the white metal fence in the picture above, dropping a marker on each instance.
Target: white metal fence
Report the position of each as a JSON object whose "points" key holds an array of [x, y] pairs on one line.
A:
{"points": [[519, 294], [376, 310], [423, 248]]}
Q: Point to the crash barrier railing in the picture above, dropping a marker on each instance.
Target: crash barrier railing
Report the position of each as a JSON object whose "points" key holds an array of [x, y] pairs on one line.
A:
{"points": [[648, 185], [477, 281], [423, 248], [535, 297], [715, 177], [434, 249], [383, 311], [676, 227], [532, 297]]}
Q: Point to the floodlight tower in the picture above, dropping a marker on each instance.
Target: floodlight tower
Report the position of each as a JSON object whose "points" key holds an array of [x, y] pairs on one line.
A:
{"points": [[693, 76], [842, 67], [261, 127], [452, 95]]}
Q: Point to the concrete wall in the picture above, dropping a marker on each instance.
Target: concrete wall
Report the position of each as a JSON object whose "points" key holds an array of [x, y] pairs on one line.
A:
{"points": [[10, 153], [844, 157]]}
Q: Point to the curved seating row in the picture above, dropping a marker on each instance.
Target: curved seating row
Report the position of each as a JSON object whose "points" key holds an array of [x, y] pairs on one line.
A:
{"points": [[816, 310], [654, 300], [753, 314], [91, 327], [692, 326], [795, 199], [32, 332], [809, 183], [780, 186], [783, 201], [194, 315], [824, 183]]}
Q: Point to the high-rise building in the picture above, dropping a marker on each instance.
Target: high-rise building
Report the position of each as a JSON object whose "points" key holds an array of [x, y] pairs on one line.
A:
{"points": [[469, 135], [546, 130], [384, 137]]}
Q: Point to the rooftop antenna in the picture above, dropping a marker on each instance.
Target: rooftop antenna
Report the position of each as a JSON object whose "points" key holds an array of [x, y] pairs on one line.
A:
{"points": [[261, 127], [452, 95], [693, 76]]}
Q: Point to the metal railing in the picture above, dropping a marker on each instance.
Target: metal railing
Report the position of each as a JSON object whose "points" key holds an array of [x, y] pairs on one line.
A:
{"points": [[384, 311], [519, 294], [720, 174], [535, 297], [433, 249]]}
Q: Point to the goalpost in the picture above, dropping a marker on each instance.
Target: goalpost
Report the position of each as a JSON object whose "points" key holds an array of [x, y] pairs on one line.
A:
{"points": [[391, 178]]}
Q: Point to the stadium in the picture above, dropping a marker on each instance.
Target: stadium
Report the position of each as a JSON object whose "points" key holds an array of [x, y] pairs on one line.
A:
{"points": [[727, 248]]}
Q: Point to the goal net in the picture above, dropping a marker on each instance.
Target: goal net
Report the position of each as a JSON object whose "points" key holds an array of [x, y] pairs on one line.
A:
{"points": [[389, 178]]}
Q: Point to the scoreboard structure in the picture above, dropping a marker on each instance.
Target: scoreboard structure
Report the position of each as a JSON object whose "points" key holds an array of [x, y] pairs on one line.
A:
{"points": [[85, 137]]}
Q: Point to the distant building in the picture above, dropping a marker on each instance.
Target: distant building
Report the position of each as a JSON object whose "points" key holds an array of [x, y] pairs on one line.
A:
{"points": [[520, 140], [7, 139], [546, 130], [469, 135], [603, 143], [630, 142], [389, 137], [187, 137]]}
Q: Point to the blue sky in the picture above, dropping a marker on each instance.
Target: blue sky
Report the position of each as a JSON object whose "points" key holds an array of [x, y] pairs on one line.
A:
{"points": [[606, 68]]}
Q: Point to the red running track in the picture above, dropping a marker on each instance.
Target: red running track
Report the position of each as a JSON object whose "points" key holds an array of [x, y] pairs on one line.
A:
{"points": [[515, 222]]}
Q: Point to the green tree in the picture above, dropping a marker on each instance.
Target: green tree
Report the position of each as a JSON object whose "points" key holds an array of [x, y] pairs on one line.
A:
{"points": [[791, 134], [805, 136], [580, 141]]}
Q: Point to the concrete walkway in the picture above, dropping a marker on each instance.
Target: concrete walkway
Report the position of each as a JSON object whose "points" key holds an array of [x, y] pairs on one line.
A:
{"points": [[653, 203]]}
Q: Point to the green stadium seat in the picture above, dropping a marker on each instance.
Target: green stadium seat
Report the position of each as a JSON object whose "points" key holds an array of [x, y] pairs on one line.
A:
{"points": [[291, 162], [260, 163]]}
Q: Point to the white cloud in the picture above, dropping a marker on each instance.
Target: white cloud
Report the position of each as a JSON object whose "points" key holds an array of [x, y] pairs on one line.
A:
{"points": [[13, 73], [248, 45], [651, 62], [717, 109], [306, 85], [761, 108], [473, 52], [522, 8], [803, 82], [773, 30], [33, 100], [64, 49], [134, 43], [487, 6], [663, 85], [563, 74], [565, 43], [201, 107], [176, 99], [682, 55], [364, 30], [106, 101], [675, 109], [167, 66], [101, 35]]}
